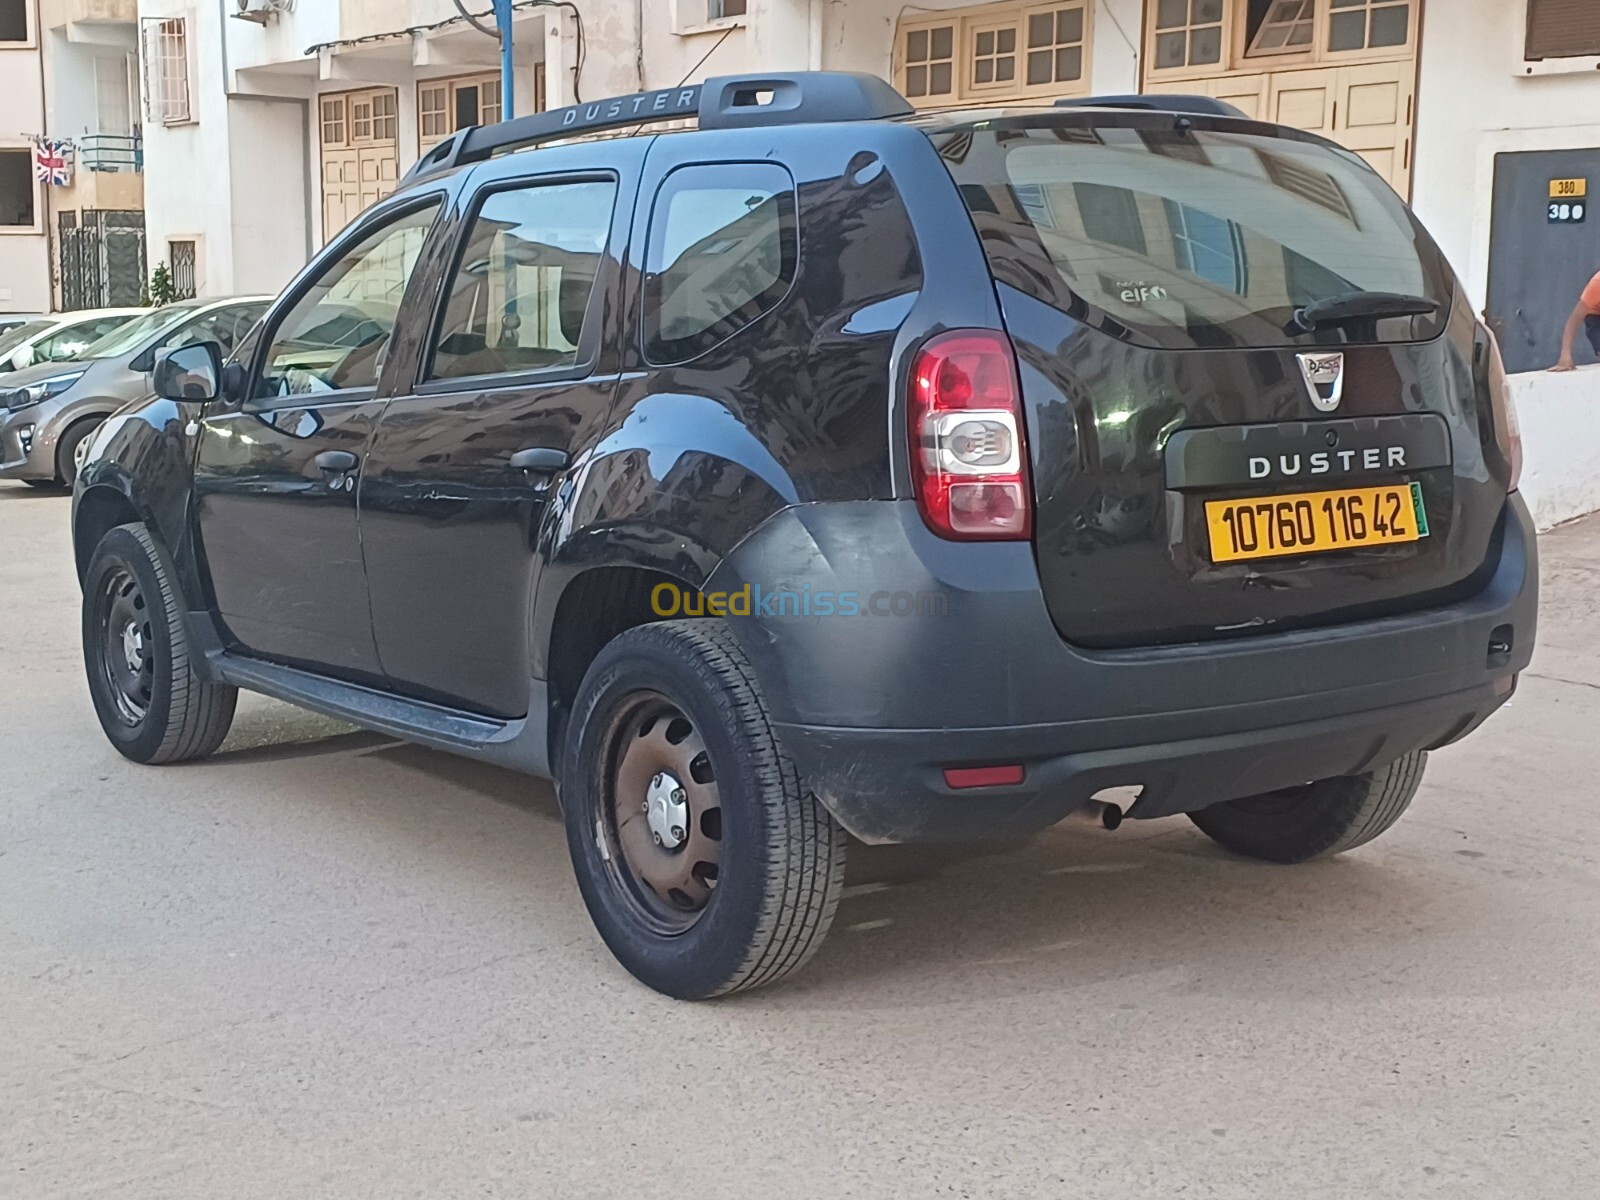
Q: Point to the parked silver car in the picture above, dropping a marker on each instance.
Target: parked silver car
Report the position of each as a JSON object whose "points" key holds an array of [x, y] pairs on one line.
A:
{"points": [[50, 411], [58, 337]]}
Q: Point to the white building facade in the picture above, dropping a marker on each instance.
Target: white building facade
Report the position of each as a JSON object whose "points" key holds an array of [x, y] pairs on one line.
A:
{"points": [[24, 243], [266, 133]]}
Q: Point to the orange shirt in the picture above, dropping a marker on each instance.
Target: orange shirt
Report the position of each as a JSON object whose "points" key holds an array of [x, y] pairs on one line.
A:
{"points": [[1591, 295]]}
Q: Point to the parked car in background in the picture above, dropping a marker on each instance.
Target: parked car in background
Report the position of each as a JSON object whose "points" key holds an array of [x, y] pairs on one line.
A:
{"points": [[60, 337], [51, 409], [9, 321]]}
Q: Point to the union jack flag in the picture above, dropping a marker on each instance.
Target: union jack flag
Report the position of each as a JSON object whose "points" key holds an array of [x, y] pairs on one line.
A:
{"points": [[52, 162]]}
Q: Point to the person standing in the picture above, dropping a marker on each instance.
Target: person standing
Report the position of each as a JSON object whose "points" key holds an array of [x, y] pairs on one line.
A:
{"points": [[1586, 316]]}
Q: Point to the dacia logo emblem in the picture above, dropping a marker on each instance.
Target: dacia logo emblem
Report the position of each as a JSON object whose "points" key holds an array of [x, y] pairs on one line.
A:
{"points": [[1324, 375]]}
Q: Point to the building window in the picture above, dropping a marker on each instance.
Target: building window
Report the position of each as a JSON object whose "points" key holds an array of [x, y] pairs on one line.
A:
{"points": [[446, 106], [17, 189], [994, 56], [1188, 33], [1562, 29], [716, 10], [383, 116], [1368, 24], [13, 20], [1289, 26], [166, 57], [333, 118], [182, 257], [1055, 46], [930, 62]]}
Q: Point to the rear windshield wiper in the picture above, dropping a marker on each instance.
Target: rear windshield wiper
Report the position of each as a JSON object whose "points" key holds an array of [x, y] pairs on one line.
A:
{"points": [[1351, 307]]}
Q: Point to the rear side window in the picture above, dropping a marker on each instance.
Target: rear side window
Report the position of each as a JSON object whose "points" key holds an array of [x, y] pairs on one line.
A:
{"points": [[723, 251], [520, 293], [1204, 238]]}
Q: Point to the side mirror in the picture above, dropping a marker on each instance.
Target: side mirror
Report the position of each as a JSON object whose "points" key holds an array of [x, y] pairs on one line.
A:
{"points": [[22, 359], [191, 373]]}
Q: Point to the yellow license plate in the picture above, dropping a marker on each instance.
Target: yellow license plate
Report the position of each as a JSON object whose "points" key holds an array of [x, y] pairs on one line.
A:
{"points": [[1315, 522]]}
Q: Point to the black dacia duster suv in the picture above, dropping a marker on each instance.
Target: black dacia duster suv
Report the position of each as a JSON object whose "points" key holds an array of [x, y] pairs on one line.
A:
{"points": [[832, 468]]}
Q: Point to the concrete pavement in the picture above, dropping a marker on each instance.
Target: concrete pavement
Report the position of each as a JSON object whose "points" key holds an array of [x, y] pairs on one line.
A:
{"points": [[324, 964]]}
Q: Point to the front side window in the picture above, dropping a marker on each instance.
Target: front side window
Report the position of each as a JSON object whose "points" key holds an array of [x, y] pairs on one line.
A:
{"points": [[521, 291], [225, 326], [334, 337], [723, 250], [1204, 239], [72, 341]]}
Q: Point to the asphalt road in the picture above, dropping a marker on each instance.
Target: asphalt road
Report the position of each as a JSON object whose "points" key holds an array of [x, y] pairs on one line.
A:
{"points": [[324, 964]]}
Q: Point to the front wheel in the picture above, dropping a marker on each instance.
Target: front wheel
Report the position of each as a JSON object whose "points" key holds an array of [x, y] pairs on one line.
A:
{"points": [[73, 451], [152, 704], [1315, 820], [705, 865]]}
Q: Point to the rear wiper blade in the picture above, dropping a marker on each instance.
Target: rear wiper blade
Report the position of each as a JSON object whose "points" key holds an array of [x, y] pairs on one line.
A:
{"points": [[1359, 306]]}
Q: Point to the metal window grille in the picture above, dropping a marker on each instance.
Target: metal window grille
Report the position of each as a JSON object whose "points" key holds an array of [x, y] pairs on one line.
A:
{"points": [[181, 258], [166, 70]]}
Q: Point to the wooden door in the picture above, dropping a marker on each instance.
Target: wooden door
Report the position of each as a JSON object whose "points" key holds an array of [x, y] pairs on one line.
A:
{"points": [[360, 153], [1304, 99], [1375, 117]]}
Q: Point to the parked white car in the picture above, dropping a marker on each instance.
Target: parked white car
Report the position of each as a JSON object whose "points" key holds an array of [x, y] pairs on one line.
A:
{"points": [[59, 337]]}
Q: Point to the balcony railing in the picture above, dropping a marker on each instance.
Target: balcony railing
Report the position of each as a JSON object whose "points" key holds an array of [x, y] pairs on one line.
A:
{"points": [[111, 152]]}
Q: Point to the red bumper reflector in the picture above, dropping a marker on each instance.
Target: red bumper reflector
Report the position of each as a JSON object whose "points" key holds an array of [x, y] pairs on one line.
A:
{"points": [[979, 777]]}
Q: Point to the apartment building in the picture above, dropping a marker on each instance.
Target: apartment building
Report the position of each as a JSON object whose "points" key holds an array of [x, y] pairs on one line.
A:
{"points": [[270, 123], [24, 244]]}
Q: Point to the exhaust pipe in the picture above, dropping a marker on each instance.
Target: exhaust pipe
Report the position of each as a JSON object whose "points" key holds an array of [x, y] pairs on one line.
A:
{"points": [[1098, 812]]}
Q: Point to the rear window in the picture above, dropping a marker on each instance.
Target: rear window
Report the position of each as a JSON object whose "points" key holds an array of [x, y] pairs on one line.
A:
{"points": [[1204, 238]]}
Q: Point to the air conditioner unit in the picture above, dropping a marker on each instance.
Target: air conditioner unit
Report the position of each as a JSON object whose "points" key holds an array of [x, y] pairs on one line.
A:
{"points": [[261, 11]]}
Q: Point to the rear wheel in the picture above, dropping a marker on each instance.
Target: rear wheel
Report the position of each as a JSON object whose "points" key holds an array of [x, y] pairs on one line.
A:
{"points": [[705, 866], [153, 706], [1318, 819]]}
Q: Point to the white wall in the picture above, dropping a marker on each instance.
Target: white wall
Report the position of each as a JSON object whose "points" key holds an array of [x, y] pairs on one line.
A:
{"points": [[1477, 98]]}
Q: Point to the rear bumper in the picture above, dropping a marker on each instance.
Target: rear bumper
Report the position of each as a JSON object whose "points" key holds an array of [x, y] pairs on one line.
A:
{"points": [[873, 708]]}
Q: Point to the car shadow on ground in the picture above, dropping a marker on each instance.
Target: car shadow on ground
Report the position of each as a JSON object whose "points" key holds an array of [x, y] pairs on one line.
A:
{"points": [[1074, 907], [11, 492]]}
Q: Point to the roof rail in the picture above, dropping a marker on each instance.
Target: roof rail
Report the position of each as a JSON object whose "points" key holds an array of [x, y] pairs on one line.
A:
{"points": [[1208, 106], [724, 102]]}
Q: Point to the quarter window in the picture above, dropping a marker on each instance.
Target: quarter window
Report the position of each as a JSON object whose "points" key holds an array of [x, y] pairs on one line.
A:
{"points": [[723, 251], [335, 336], [521, 292]]}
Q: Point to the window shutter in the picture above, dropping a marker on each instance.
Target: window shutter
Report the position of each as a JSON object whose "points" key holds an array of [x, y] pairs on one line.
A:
{"points": [[1562, 29]]}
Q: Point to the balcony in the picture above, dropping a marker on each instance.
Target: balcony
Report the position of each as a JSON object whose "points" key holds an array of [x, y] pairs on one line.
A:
{"points": [[53, 14], [111, 153]]}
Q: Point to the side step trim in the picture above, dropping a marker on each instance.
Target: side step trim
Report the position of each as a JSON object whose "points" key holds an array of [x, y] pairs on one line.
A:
{"points": [[520, 744]]}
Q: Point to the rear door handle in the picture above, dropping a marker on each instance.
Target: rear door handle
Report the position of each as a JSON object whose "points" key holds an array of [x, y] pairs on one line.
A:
{"points": [[540, 460], [336, 462]]}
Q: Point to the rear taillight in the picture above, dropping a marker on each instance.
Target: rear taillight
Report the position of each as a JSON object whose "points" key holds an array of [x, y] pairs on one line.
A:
{"points": [[968, 457], [1507, 432]]}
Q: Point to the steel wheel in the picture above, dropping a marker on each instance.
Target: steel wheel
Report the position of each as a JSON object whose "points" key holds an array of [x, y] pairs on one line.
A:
{"points": [[664, 812], [80, 453], [126, 640]]}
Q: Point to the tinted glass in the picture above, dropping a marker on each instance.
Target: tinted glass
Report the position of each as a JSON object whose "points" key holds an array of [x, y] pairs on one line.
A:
{"points": [[723, 251], [522, 287], [334, 337], [129, 338], [17, 334], [74, 340], [1204, 239], [225, 326]]}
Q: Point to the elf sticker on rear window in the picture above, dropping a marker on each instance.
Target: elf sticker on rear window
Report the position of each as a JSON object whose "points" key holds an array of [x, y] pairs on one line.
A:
{"points": [[1135, 292]]}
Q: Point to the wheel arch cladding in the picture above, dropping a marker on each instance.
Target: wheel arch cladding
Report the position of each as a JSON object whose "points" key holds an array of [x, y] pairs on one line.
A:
{"points": [[99, 510]]}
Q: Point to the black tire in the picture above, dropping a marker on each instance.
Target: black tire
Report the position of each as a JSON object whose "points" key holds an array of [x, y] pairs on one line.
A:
{"points": [[161, 711], [1315, 820], [780, 855], [67, 449]]}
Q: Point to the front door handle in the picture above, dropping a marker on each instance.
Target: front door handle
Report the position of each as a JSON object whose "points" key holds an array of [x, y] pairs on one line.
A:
{"points": [[540, 460], [336, 462]]}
